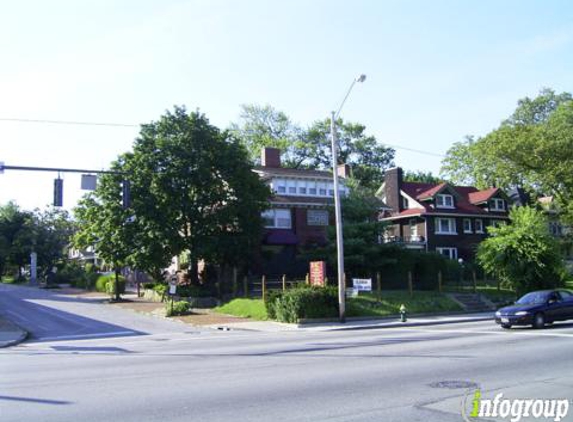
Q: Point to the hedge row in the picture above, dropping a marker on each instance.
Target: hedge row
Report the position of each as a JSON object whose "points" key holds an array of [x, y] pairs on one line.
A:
{"points": [[302, 302]]}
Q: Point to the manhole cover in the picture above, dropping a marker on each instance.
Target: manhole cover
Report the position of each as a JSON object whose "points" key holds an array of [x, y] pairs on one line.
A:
{"points": [[452, 385]]}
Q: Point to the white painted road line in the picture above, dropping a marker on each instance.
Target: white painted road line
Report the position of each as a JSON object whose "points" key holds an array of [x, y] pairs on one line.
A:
{"points": [[86, 336]]}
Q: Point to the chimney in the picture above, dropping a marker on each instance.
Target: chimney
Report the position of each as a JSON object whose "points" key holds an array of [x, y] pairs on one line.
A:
{"points": [[392, 186], [271, 157], [343, 170]]}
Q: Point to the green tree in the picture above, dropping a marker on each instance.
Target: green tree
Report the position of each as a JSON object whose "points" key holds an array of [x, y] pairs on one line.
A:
{"points": [[363, 252], [533, 149], [311, 147], [368, 159], [53, 232], [194, 191], [17, 237], [421, 177], [264, 126], [105, 224], [523, 254]]}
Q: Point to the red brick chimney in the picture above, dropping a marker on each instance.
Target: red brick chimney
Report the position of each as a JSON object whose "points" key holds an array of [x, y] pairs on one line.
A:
{"points": [[392, 186], [271, 157]]}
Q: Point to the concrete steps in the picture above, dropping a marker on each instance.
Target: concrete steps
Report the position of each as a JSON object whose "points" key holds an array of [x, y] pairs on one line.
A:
{"points": [[472, 302]]}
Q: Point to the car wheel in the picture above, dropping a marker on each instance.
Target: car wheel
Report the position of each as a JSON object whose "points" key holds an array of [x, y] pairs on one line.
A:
{"points": [[506, 326], [539, 321]]}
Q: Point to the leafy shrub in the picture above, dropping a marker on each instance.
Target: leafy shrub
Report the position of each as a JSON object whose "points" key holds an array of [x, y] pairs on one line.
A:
{"points": [[106, 284], [70, 273], [161, 289], [149, 286], [304, 302], [181, 307]]}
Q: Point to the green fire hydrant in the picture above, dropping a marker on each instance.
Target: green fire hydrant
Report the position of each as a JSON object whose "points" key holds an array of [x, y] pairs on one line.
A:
{"points": [[403, 313]]}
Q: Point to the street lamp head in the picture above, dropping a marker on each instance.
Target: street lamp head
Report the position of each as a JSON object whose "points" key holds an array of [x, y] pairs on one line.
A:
{"points": [[361, 78]]}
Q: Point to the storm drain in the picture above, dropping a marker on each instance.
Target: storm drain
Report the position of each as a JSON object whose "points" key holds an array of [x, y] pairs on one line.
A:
{"points": [[454, 384]]}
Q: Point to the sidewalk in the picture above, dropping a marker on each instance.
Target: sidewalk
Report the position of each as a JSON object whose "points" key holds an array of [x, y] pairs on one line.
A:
{"points": [[208, 319], [10, 334]]}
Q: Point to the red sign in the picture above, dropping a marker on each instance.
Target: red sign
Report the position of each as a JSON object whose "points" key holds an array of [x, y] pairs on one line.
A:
{"points": [[317, 273]]}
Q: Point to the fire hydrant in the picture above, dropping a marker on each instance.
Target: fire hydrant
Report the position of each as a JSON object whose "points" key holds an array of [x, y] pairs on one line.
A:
{"points": [[403, 313]]}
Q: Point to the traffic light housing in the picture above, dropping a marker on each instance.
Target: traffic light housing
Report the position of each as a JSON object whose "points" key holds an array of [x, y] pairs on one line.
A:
{"points": [[58, 192], [126, 194]]}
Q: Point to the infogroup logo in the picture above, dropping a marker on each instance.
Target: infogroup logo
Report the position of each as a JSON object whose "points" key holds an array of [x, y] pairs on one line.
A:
{"points": [[474, 406]]}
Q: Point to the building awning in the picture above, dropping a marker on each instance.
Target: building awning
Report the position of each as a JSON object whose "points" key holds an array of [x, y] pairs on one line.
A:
{"points": [[280, 237]]}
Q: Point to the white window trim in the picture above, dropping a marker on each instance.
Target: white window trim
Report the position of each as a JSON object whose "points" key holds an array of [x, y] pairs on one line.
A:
{"points": [[275, 218], [442, 249], [464, 225], [452, 225], [495, 204], [480, 231], [443, 205]]}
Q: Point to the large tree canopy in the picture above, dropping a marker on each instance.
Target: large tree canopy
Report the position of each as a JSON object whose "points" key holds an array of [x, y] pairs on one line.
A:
{"points": [[193, 191], [533, 149], [523, 255], [311, 147]]}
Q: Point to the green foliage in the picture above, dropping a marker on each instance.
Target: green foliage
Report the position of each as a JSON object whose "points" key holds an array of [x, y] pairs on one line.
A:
{"points": [[72, 273], [161, 288], [523, 254], [311, 147], [303, 302], [421, 177], [22, 232], [366, 304], [533, 149], [181, 307], [195, 291], [246, 308], [105, 283]]}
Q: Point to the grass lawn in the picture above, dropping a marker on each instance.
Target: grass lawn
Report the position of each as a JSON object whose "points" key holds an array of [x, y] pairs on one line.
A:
{"points": [[11, 280], [248, 308], [391, 300], [569, 284]]}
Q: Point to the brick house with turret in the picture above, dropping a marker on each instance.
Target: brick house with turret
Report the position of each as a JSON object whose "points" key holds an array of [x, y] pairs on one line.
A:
{"points": [[443, 218]]}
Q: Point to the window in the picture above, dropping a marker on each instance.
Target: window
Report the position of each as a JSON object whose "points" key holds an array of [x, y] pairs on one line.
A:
{"points": [[497, 223], [280, 219], [479, 225], [312, 191], [413, 227], [281, 189], [322, 192], [497, 204], [451, 253], [302, 191], [444, 201], [446, 226], [291, 189], [405, 203], [468, 225], [330, 192], [317, 217]]}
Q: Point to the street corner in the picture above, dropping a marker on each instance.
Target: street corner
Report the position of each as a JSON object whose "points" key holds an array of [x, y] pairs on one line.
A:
{"points": [[10, 333]]}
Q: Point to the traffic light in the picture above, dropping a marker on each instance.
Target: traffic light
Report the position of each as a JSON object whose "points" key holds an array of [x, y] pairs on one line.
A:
{"points": [[58, 192], [126, 194]]}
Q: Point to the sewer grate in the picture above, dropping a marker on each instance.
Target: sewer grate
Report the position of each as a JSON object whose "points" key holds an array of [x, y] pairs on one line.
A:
{"points": [[455, 384]]}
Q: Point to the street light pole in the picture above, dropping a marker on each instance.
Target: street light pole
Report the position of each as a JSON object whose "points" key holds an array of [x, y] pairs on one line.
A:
{"points": [[337, 209]]}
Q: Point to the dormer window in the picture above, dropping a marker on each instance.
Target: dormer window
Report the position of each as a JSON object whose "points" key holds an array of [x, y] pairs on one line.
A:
{"points": [[405, 203], [497, 204], [444, 201]]}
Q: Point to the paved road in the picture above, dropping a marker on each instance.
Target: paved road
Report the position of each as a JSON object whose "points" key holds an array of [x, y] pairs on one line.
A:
{"points": [[49, 315], [368, 375]]}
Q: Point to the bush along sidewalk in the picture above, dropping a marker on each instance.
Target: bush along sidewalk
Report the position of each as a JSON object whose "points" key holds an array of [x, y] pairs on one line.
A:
{"points": [[181, 307], [302, 302]]}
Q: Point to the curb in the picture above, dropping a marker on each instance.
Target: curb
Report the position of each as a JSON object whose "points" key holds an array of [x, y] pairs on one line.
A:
{"points": [[410, 324], [20, 336]]}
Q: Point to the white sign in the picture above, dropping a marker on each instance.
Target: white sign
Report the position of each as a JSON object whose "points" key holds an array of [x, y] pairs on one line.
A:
{"points": [[362, 284], [89, 182], [172, 289], [351, 292]]}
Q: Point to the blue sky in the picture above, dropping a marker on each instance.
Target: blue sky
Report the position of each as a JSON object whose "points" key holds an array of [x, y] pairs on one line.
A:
{"points": [[437, 71]]}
